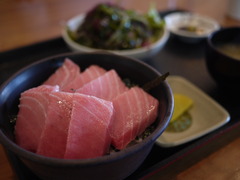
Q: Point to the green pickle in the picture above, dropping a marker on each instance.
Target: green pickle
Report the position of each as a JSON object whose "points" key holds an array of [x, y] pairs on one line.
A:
{"points": [[181, 124]]}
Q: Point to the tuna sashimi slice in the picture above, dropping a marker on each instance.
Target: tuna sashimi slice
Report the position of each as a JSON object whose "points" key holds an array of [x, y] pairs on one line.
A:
{"points": [[86, 76], [107, 86], [54, 136], [64, 74], [88, 134], [135, 110], [31, 116]]}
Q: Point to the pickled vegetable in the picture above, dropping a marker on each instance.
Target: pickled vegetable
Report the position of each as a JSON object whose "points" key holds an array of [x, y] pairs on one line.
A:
{"points": [[111, 27]]}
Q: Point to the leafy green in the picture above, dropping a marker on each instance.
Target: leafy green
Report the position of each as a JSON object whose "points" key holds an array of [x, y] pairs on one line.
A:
{"points": [[111, 27]]}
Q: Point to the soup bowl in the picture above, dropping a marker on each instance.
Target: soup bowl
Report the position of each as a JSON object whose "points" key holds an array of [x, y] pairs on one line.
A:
{"points": [[224, 67], [117, 165]]}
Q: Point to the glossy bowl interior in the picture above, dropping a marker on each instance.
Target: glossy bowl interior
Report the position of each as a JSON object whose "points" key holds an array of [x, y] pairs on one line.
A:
{"points": [[141, 53], [118, 165], [224, 69]]}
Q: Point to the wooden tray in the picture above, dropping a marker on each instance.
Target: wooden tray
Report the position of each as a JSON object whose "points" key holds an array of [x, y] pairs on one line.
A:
{"points": [[186, 60]]}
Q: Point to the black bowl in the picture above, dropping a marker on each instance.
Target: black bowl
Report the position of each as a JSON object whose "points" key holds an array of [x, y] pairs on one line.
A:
{"points": [[118, 165], [224, 69]]}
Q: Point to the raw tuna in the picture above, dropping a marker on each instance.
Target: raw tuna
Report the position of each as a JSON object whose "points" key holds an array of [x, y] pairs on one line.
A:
{"points": [[31, 117], [64, 74], [54, 136], [88, 135], [86, 76], [57, 122], [135, 110], [107, 86]]}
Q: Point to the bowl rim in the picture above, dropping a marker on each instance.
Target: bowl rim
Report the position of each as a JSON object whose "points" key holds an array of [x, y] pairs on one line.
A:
{"points": [[191, 15], [213, 47], [21, 152], [79, 18]]}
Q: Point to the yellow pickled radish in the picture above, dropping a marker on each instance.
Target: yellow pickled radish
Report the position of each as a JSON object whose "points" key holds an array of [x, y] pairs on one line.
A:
{"points": [[181, 104]]}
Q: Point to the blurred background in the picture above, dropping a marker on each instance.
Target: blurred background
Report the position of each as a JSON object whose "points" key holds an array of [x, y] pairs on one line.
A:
{"points": [[24, 22]]}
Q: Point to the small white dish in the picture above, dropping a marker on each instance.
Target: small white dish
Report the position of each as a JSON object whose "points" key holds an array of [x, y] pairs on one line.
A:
{"points": [[139, 53], [190, 27], [207, 114]]}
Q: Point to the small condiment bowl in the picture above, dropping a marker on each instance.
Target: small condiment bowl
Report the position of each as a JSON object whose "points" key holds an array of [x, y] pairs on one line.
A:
{"points": [[140, 53], [190, 27], [224, 69]]}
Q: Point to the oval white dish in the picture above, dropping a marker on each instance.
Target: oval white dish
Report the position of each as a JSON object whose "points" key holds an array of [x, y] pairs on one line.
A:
{"points": [[207, 114]]}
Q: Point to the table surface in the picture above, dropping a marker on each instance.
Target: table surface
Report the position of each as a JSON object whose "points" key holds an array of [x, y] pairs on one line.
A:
{"points": [[25, 22]]}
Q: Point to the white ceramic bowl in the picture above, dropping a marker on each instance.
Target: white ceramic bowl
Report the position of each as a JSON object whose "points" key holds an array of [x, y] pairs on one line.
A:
{"points": [[140, 53], [203, 26]]}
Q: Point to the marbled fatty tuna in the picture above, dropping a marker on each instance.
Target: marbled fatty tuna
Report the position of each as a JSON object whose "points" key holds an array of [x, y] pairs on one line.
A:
{"points": [[135, 110], [32, 115], [88, 135], [108, 86], [89, 74], [54, 135], [64, 74]]}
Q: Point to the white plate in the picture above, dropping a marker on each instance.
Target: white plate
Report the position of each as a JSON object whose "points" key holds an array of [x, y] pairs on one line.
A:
{"points": [[206, 25], [141, 53], [207, 114]]}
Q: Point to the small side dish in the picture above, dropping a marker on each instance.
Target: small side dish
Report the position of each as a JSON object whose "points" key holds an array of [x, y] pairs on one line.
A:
{"points": [[108, 27], [111, 27], [190, 27], [205, 113]]}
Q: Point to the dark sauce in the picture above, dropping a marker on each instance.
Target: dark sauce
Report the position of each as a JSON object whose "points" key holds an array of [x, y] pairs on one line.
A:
{"points": [[13, 119]]}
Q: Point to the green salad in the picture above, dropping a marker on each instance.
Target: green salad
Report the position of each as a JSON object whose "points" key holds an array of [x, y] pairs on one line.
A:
{"points": [[110, 27]]}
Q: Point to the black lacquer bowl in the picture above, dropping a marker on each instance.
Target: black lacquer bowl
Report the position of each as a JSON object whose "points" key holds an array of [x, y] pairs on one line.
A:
{"points": [[224, 68], [118, 165]]}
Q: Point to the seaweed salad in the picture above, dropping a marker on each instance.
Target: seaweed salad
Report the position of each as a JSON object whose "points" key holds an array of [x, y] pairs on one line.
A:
{"points": [[111, 27]]}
